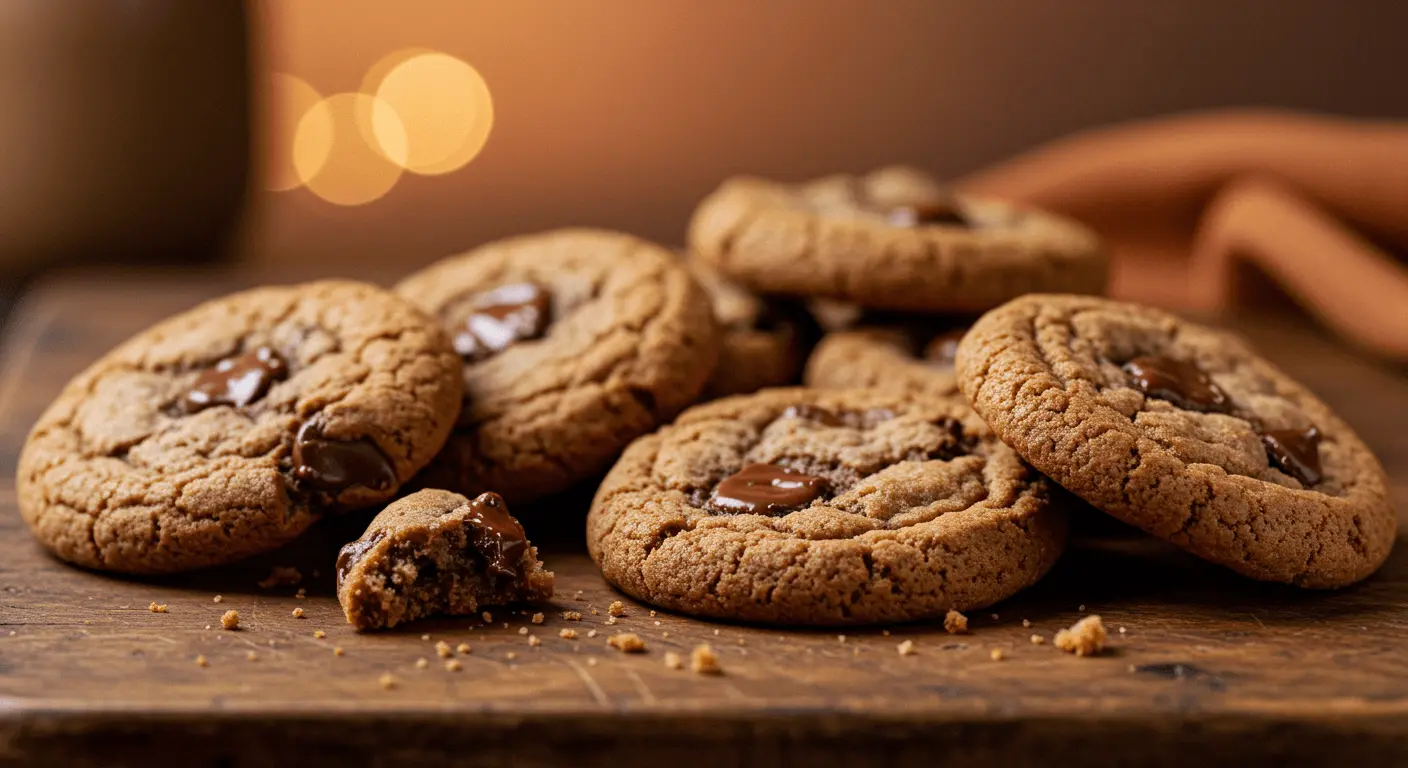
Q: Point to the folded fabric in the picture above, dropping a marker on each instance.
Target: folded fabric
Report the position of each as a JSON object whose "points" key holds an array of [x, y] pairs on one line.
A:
{"points": [[1319, 205]]}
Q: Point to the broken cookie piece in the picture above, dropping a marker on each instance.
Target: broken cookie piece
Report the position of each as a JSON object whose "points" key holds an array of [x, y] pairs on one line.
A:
{"points": [[438, 552]]}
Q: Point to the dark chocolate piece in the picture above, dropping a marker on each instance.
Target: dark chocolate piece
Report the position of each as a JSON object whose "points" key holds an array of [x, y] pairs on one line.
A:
{"points": [[1295, 452], [333, 466], [1180, 383], [766, 489], [236, 381], [501, 318]]}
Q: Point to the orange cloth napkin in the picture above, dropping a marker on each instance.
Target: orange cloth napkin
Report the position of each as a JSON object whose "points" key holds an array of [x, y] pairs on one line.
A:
{"points": [[1319, 205]]}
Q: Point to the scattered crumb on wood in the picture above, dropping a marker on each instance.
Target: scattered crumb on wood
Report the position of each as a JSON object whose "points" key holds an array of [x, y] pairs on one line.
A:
{"points": [[337, 651], [443, 650], [303, 592], [463, 649], [652, 614], [571, 616], [201, 662], [281, 576], [252, 656], [591, 633], [610, 620], [1081, 608], [906, 648], [628, 642], [995, 617], [885, 632], [567, 634], [422, 663], [840, 638], [617, 608], [154, 608], [997, 654], [297, 613], [704, 661], [1085, 638], [319, 634], [217, 598], [673, 660], [425, 638], [386, 681], [510, 655], [1038, 640], [1026, 623], [533, 641], [453, 665], [741, 641], [522, 630], [537, 618], [955, 623], [230, 619], [487, 617], [591, 661], [1121, 630]]}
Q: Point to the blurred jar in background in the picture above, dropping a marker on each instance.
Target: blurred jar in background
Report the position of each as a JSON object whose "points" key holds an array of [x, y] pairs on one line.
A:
{"points": [[124, 130]]}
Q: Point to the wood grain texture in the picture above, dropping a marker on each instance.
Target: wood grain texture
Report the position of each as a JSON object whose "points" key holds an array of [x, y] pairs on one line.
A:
{"points": [[91, 677]]}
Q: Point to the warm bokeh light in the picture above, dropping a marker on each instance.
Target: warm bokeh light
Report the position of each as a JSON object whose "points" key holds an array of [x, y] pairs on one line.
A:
{"points": [[331, 158], [444, 106], [289, 99]]}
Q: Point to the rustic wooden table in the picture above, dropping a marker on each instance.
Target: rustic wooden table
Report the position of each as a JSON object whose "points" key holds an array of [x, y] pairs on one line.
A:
{"points": [[1206, 666]]}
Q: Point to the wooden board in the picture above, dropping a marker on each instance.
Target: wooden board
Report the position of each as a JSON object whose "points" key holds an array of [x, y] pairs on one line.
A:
{"points": [[1210, 667]]}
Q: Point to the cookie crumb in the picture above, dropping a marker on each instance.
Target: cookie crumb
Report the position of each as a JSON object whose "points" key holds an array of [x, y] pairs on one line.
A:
{"points": [[664, 634], [422, 663], [673, 660], [610, 620], [1081, 608], [487, 617], [840, 638], [337, 651], [997, 654], [453, 665], [319, 634], [537, 618], [704, 661], [443, 650], [217, 599], [533, 641], [571, 616], [463, 649], [591, 661], [628, 642], [281, 576], [154, 608], [567, 634], [617, 608], [252, 656], [906, 648], [716, 632], [578, 595], [386, 681], [425, 638], [955, 623], [1121, 630], [522, 630], [1026, 623], [302, 592], [510, 655], [591, 633], [995, 617], [652, 614], [297, 613], [230, 620], [885, 632], [201, 662], [657, 623], [1085, 638], [1038, 640], [207, 626], [741, 641]]}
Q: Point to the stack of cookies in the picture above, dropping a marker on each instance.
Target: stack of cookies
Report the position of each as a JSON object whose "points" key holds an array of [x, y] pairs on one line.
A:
{"points": [[914, 474]]}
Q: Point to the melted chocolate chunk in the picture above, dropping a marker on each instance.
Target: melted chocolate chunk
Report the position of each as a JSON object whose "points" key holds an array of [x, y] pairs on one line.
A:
{"points": [[766, 489], [945, 213], [1180, 383], [1295, 452], [813, 413], [236, 381], [497, 536], [353, 551], [501, 318], [333, 466], [942, 350]]}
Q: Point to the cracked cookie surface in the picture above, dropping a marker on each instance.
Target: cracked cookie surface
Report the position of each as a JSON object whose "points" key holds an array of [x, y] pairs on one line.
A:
{"points": [[1182, 431], [918, 361], [625, 340], [801, 506], [895, 239], [227, 430], [762, 342]]}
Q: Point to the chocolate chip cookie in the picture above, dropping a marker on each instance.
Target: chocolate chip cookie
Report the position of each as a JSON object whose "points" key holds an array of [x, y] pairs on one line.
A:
{"points": [[902, 359], [227, 430], [894, 239], [804, 506], [438, 552], [573, 344], [763, 342], [1182, 431]]}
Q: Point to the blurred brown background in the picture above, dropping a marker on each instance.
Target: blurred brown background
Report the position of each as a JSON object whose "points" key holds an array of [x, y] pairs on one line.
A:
{"points": [[123, 123]]}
